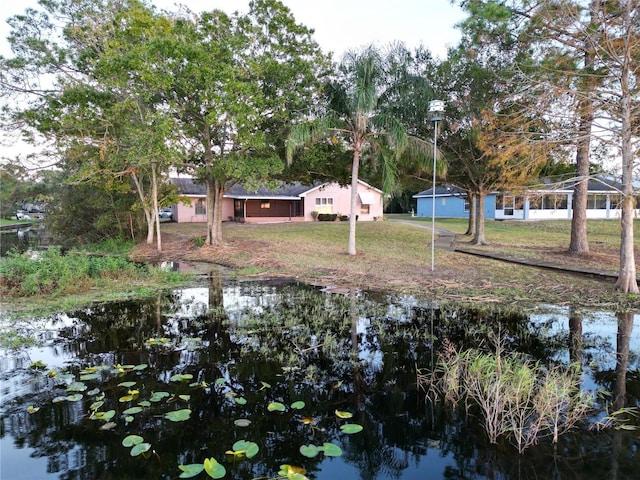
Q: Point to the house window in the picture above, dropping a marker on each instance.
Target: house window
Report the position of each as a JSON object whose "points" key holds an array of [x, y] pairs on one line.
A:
{"points": [[324, 205], [597, 202], [467, 207], [265, 204], [201, 207], [508, 204], [364, 208]]}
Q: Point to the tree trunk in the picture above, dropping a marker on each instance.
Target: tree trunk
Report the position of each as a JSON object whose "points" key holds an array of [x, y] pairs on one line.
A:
{"points": [[351, 249], [215, 191], [471, 226], [155, 206], [478, 238], [579, 243], [627, 281]]}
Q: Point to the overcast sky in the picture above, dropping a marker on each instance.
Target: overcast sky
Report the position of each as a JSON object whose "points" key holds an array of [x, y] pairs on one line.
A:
{"points": [[339, 25]]}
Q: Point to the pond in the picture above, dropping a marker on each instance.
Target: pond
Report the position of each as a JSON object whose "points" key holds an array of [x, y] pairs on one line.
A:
{"points": [[290, 377]]}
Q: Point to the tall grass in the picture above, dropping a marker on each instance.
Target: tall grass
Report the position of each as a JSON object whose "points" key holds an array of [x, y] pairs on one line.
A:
{"points": [[518, 400], [51, 273]]}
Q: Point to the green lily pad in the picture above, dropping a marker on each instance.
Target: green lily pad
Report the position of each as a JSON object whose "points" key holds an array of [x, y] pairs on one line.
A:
{"points": [[331, 450], [76, 387], [108, 426], [241, 401], [242, 422], [31, 409], [276, 407], [126, 384], [74, 398], [139, 449], [145, 403], [128, 419], [351, 428], [213, 468], [186, 398], [105, 416], [131, 440], [132, 410], [179, 377], [191, 470], [309, 451], [94, 392], [248, 449], [142, 366], [158, 396], [178, 415], [96, 405], [299, 405], [90, 376]]}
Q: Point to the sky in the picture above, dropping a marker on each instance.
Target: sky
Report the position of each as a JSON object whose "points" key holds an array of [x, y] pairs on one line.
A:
{"points": [[339, 25]]}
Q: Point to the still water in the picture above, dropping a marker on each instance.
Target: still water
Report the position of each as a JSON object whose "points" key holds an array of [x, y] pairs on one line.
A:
{"points": [[287, 366]]}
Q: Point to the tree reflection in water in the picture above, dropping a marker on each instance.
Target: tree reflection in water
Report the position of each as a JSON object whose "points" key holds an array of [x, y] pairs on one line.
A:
{"points": [[354, 352]]}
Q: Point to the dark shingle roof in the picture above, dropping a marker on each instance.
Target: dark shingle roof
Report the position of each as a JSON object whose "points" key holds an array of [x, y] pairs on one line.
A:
{"points": [[187, 186], [442, 190]]}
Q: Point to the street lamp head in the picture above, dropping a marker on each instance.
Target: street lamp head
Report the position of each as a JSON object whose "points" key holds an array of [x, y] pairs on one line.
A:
{"points": [[436, 108]]}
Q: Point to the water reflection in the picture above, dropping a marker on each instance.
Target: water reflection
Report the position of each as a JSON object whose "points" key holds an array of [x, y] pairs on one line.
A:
{"points": [[353, 351]]}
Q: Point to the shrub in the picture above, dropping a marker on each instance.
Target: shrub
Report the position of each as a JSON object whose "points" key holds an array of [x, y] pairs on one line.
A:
{"points": [[51, 273], [327, 217]]}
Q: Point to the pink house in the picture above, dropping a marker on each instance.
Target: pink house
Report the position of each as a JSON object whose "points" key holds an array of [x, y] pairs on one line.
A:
{"points": [[286, 203]]}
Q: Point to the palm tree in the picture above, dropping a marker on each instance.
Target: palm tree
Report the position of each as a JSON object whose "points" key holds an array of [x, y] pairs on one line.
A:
{"points": [[356, 117]]}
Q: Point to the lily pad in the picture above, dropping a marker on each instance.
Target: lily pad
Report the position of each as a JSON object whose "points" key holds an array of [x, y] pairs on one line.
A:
{"points": [[351, 428], [341, 414], [299, 405], [139, 449], [126, 384], [131, 440], [331, 450], [248, 449], [242, 422], [178, 415], [74, 398], [32, 409], [158, 396], [180, 377], [90, 376], [292, 472], [108, 426], [309, 451], [142, 366], [132, 410], [213, 468], [191, 470], [76, 387], [241, 401], [106, 416], [276, 407]]}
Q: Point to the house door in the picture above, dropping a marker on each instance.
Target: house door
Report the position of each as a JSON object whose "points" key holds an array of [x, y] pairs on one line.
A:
{"points": [[238, 208]]}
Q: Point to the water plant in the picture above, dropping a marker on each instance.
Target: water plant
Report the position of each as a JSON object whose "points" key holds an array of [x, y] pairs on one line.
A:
{"points": [[517, 399]]}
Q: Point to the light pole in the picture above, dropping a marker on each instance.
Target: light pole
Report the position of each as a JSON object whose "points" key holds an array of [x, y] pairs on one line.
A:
{"points": [[436, 109]]}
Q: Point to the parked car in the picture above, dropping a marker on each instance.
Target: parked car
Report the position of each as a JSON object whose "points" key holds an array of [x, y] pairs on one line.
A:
{"points": [[166, 213], [22, 216]]}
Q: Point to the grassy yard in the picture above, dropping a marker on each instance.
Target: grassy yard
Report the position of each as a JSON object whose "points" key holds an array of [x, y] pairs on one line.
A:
{"points": [[396, 257]]}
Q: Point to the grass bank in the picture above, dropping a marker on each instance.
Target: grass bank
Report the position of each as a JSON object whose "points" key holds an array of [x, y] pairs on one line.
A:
{"points": [[396, 257], [52, 281]]}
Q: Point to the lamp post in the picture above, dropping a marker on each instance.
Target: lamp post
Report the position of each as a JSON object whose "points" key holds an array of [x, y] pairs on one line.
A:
{"points": [[436, 109]]}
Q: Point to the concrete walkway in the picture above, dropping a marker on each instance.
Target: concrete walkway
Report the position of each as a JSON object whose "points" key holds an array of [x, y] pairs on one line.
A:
{"points": [[446, 240]]}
